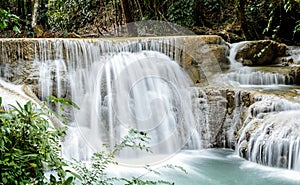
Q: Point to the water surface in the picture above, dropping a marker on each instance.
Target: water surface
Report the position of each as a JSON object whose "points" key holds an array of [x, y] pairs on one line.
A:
{"points": [[218, 167]]}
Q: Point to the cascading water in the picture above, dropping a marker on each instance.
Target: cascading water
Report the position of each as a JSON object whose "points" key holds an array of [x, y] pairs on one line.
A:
{"points": [[251, 76], [11, 94], [271, 133], [245, 76], [234, 65], [125, 84], [294, 53], [117, 87]]}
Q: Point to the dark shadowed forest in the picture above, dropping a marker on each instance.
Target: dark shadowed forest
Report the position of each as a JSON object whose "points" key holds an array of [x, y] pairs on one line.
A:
{"points": [[234, 20]]}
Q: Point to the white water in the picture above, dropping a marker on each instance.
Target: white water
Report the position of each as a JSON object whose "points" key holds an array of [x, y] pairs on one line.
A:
{"points": [[11, 94], [125, 85], [248, 76], [234, 48], [270, 129], [118, 87], [294, 52], [146, 91], [274, 126]]}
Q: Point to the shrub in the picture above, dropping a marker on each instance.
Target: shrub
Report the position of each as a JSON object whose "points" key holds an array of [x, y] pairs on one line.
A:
{"points": [[9, 21], [29, 146]]}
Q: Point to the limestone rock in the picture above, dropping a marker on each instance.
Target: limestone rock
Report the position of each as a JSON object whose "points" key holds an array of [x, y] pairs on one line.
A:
{"points": [[260, 53], [207, 53], [295, 74]]}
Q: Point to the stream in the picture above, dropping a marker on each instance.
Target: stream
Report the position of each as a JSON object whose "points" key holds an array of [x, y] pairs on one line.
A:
{"points": [[216, 167]]}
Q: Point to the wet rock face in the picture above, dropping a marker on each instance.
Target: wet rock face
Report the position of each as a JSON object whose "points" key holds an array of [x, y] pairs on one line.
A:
{"points": [[223, 115], [232, 116], [263, 128], [217, 113], [260, 53]]}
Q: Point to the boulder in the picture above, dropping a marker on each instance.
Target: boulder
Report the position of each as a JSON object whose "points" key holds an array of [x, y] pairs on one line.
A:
{"points": [[295, 74], [260, 53]]}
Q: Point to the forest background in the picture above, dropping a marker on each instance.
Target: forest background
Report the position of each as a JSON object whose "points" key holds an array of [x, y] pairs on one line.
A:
{"points": [[234, 20]]}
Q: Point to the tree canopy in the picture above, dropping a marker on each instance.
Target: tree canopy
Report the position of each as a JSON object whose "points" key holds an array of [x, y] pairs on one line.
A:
{"points": [[234, 20]]}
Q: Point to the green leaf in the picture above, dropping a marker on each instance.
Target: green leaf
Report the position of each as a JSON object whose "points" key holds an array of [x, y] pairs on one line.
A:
{"points": [[52, 179], [4, 180], [68, 181], [74, 174], [33, 165]]}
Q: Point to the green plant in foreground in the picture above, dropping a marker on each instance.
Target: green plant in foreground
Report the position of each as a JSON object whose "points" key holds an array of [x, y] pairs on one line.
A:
{"points": [[95, 171], [30, 147], [61, 104]]}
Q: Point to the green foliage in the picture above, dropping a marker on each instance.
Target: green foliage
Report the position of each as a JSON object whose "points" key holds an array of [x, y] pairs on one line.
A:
{"points": [[181, 12], [95, 171], [61, 103], [9, 21], [29, 146], [69, 15], [297, 27], [279, 10]]}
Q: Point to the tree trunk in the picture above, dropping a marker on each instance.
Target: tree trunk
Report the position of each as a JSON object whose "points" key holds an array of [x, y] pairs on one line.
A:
{"points": [[241, 19], [19, 8], [240, 12], [38, 31], [132, 31], [29, 7], [35, 13]]}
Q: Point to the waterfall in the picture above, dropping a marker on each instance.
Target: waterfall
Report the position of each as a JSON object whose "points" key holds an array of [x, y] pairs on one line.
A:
{"points": [[251, 76], [275, 140], [139, 84], [294, 53], [119, 86], [11, 94], [270, 135], [232, 54], [245, 76]]}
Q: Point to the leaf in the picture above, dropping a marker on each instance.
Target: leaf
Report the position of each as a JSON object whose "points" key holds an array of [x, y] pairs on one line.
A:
{"points": [[4, 180], [74, 174], [4, 24], [16, 29], [52, 179], [33, 165], [68, 181]]}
